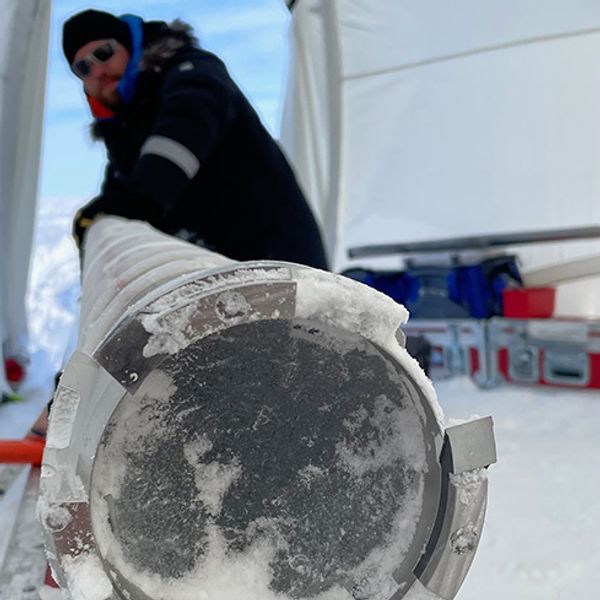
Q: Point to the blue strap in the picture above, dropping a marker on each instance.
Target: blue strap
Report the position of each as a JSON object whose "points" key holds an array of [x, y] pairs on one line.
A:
{"points": [[126, 88]]}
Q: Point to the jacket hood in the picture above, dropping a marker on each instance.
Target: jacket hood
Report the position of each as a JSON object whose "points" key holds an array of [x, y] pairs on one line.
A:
{"points": [[161, 41]]}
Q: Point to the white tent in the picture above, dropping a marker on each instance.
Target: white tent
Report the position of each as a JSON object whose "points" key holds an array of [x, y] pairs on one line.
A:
{"points": [[412, 121], [24, 31]]}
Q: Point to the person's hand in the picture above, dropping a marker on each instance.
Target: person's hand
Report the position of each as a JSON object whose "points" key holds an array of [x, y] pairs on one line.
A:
{"points": [[124, 204]]}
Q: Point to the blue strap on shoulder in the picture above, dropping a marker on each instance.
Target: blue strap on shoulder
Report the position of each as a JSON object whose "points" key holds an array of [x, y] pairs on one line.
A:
{"points": [[126, 88]]}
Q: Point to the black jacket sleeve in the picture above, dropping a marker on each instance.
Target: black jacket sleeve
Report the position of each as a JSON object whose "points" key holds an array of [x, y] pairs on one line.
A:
{"points": [[116, 198], [197, 103]]}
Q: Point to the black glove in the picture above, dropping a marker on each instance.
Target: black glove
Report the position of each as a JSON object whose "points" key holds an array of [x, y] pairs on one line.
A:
{"points": [[122, 204]]}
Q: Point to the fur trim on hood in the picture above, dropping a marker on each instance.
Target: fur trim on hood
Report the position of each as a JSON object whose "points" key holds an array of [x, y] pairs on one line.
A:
{"points": [[162, 41]]}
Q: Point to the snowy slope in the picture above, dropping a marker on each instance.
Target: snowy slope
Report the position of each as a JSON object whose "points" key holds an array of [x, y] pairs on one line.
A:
{"points": [[542, 535], [52, 300]]}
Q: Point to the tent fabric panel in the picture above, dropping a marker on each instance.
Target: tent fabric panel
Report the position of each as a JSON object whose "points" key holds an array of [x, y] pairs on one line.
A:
{"points": [[485, 145], [23, 69], [379, 35], [455, 120], [312, 114]]}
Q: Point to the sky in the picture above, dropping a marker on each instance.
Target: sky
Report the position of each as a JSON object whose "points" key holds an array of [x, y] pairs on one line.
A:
{"points": [[249, 35]]}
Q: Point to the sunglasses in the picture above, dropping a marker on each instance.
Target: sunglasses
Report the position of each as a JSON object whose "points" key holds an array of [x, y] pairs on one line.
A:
{"points": [[83, 67]]}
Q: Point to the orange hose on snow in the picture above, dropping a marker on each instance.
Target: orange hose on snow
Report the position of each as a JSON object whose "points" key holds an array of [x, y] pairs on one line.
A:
{"points": [[21, 452]]}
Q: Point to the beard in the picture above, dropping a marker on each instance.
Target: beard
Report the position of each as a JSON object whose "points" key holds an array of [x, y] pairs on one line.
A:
{"points": [[111, 100], [109, 95], [106, 93]]}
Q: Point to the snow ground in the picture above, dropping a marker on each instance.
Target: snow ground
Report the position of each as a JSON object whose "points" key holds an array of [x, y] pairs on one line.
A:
{"points": [[541, 539], [542, 534]]}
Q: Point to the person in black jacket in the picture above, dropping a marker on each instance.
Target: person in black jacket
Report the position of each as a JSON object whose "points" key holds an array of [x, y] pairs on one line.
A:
{"points": [[186, 151]]}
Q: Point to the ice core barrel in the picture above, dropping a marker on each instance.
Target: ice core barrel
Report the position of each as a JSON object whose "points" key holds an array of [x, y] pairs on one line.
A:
{"points": [[249, 430]]}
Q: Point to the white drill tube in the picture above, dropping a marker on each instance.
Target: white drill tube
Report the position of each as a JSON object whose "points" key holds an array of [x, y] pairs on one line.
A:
{"points": [[248, 430]]}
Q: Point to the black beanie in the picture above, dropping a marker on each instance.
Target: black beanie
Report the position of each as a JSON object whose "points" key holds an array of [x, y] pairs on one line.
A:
{"points": [[90, 25]]}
